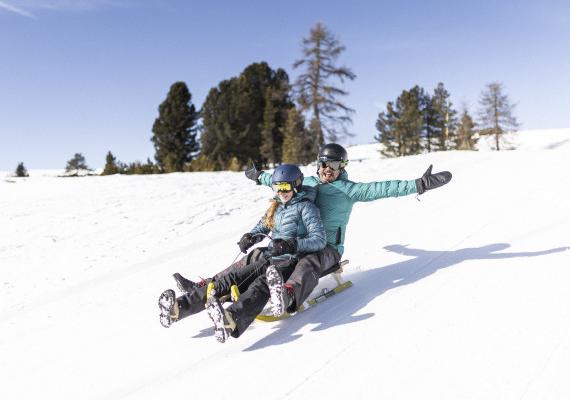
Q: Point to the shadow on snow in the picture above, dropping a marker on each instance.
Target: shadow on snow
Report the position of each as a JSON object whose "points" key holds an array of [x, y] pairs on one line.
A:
{"points": [[372, 283]]}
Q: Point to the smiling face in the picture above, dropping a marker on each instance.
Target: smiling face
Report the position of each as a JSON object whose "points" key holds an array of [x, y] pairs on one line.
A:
{"points": [[285, 196], [327, 174]]}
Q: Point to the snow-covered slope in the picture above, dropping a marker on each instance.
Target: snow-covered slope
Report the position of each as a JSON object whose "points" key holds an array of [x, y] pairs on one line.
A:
{"points": [[461, 295]]}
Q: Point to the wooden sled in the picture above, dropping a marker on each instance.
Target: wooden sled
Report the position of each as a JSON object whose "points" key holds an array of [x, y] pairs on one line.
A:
{"points": [[315, 298]]}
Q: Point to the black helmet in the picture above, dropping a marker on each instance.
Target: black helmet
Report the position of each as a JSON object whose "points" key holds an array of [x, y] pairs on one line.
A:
{"points": [[333, 151], [332, 155], [287, 173]]}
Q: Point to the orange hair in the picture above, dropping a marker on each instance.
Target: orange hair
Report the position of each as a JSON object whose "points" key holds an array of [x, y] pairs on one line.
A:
{"points": [[269, 218]]}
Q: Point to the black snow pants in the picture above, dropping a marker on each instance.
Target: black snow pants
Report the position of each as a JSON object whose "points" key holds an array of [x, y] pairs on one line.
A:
{"points": [[252, 301], [307, 272], [194, 301]]}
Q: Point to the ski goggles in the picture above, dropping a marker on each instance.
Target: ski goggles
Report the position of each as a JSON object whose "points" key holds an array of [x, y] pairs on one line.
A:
{"points": [[282, 187], [335, 165]]}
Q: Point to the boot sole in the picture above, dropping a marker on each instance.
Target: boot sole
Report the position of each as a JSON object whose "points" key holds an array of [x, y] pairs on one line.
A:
{"points": [[216, 313], [166, 303], [276, 289]]}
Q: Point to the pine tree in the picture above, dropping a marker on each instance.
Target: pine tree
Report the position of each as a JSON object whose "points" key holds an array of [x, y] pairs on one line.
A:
{"points": [[277, 106], [202, 163], [77, 164], [315, 94], [496, 113], [297, 147], [111, 166], [175, 129], [388, 135], [234, 117], [268, 149], [430, 129], [466, 135], [21, 171], [138, 168], [402, 124], [444, 118], [410, 121]]}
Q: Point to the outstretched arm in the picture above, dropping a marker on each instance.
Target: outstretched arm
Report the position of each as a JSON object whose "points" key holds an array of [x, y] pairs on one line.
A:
{"points": [[396, 188], [258, 176], [430, 181], [253, 173], [264, 179], [379, 190], [406, 251]]}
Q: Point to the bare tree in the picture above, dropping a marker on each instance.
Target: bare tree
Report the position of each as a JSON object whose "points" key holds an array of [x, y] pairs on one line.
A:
{"points": [[315, 95], [496, 113]]}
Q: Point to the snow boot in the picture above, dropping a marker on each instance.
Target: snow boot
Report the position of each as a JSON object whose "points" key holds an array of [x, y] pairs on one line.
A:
{"points": [[281, 294], [185, 285], [169, 310], [224, 324]]}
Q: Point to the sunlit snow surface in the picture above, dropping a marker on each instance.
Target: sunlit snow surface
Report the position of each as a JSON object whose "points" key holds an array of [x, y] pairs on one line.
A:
{"points": [[461, 295]]}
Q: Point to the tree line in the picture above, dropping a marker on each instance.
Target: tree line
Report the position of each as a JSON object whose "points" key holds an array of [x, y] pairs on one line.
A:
{"points": [[418, 121], [261, 116], [258, 116]]}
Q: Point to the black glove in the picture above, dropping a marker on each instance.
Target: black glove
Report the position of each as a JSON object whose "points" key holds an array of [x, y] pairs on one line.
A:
{"points": [[283, 246], [248, 240], [253, 173], [430, 181]]}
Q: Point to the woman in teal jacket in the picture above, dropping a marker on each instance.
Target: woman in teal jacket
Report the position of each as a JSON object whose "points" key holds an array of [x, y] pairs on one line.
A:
{"points": [[335, 198]]}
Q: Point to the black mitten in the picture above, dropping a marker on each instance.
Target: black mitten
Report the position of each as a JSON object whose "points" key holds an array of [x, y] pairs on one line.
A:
{"points": [[430, 181], [246, 241], [282, 246], [253, 173]]}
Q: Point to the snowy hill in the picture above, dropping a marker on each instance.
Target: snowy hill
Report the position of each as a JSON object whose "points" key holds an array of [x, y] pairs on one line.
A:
{"points": [[461, 295]]}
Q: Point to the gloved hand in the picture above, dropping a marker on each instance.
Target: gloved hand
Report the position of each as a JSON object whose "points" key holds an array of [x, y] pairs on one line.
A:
{"points": [[253, 173], [284, 246], [430, 181], [246, 241]]}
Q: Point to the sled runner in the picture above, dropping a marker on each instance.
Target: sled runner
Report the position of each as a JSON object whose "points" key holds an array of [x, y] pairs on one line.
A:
{"points": [[318, 297]]}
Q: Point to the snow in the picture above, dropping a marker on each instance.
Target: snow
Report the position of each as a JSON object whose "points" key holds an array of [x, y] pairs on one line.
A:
{"points": [[461, 295]]}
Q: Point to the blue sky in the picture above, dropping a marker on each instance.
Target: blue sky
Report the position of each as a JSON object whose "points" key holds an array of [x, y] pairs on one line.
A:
{"points": [[88, 75]]}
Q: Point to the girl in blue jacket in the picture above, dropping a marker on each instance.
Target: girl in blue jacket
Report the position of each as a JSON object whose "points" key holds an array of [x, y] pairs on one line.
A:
{"points": [[296, 228]]}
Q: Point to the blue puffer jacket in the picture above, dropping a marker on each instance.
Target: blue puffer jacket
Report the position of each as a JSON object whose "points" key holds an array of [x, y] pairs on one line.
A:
{"points": [[335, 200], [299, 219]]}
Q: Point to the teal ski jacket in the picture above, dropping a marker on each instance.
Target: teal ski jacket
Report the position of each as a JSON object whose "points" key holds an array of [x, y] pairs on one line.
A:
{"points": [[335, 200], [298, 219]]}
